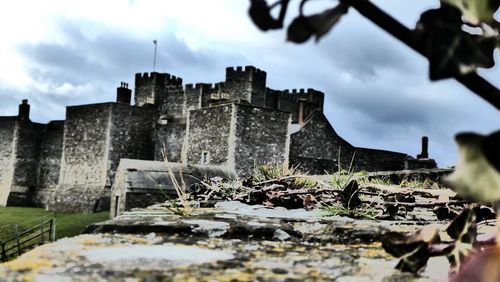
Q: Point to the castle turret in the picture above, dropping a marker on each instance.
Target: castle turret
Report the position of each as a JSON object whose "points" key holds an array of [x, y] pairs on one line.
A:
{"points": [[24, 110], [247, 84], [123, 94], [150, 88]]}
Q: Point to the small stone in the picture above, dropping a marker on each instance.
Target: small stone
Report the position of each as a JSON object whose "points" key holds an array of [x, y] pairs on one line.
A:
{"points": [[281, 235]]}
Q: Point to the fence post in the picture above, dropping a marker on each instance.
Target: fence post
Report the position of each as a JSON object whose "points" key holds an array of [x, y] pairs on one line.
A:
{"points": [[3, 256], [53, 226], [41, 231], [17, 240]]}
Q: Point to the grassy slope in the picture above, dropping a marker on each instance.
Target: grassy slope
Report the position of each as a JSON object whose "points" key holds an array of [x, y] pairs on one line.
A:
{"points": [[66, 224]]}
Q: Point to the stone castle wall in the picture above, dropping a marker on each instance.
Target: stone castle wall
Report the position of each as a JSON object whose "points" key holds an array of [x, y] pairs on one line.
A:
{"points": [[171, 137], [316, 148], [7, 156], [208, 133], [49, 163], [261, 137], [84, 163], [130, 136]]}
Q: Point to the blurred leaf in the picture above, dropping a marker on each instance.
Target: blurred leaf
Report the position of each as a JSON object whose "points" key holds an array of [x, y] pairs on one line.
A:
{"points": [[484, 213], [477, 175], [476, 11], [302, 27], [491, 149], [413, 249], [463, 227], [299, 30], [444, 213], [350, 195], [450, 50], [260, 13], [482, 265]]}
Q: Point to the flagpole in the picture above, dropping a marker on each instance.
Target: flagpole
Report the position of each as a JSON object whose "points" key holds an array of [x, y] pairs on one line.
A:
{"points": [[154, 59]]}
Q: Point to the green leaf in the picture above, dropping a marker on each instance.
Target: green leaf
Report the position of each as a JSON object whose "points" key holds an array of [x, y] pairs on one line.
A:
{"points": [[476, 11], [302, 27], [477, 175], [450, 50]]}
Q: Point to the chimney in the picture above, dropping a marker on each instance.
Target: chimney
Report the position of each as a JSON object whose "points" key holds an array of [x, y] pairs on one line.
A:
{"points": [[425, 148], [24, 110], [123, 94]]}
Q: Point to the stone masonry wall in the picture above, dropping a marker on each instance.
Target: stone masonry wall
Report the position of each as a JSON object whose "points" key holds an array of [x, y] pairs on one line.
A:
{"points": [[29, 136], [193, 96], [130, 136], [315, 148], [172, 136], [49, 163], [7, 151], [318, 140], [174, 105], [208, 131], [261, 137], [379, 160], [84, 163]]}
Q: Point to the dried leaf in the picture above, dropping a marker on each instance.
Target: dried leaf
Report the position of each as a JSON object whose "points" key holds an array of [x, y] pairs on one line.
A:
{"points": [[477, 175], [413, 249], [350, 195]]}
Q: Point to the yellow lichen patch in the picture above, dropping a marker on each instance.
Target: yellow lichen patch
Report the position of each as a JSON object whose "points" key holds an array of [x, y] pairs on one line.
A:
{"points": [[137, 240], [89, 242], [375, 253], [27, 278], [234, 276], [28, 264]]}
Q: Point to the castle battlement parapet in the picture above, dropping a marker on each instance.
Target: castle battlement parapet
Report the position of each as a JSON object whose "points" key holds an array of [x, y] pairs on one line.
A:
{"points": [[166, 77], [248, 71]]}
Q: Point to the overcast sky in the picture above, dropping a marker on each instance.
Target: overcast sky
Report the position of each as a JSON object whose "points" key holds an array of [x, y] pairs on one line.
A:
{"points": [[60, 53]]}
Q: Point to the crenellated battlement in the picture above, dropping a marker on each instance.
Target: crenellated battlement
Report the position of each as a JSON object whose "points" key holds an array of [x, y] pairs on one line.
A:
{"points": [[175, 88], [239, 70], [309, 91], [165, 77]]}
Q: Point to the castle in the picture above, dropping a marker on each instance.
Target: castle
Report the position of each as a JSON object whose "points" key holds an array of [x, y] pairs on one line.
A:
{"points": [[239, 124]]}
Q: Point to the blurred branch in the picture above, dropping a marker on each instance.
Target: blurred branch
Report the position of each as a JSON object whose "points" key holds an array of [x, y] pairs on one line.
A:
{"points": [[472, 81]]}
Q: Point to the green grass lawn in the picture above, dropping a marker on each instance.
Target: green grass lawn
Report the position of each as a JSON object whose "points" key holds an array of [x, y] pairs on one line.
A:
{"points": [[67, 224]]}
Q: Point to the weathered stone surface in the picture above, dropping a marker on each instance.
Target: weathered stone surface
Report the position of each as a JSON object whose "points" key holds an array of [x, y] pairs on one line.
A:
{"points": [[233, 242]]}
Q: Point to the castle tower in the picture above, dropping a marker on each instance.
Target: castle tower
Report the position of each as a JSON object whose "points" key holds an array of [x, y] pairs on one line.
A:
{"points": [[150, 88], [247, 84]]}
